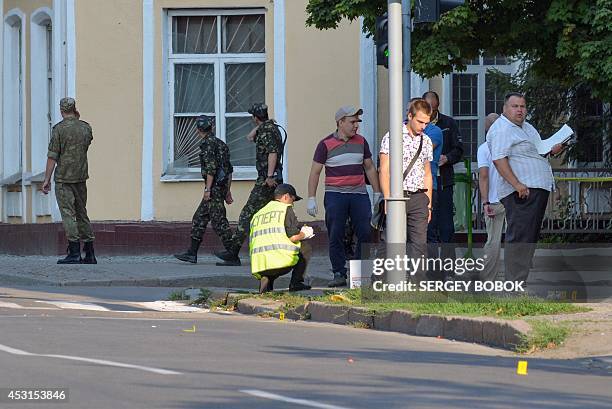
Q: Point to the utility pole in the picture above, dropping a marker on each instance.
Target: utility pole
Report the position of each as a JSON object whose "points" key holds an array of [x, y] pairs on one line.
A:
{"points": [[396, 206], [407, 42]]}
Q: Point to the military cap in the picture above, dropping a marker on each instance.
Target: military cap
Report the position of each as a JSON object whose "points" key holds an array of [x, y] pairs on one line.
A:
{"points": [[205, 123], [67, 104], [258, 109]]}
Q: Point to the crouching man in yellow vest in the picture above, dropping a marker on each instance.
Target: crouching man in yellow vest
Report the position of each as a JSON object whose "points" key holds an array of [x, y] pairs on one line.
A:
{"points": [[275, 242]]}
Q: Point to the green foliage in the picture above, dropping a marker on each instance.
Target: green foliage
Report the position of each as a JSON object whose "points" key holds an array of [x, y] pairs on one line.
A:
{"points": [[568, 41]]}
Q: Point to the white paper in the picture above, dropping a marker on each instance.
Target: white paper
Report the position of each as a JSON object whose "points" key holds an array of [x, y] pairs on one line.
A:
{"points": [[561, 136]]}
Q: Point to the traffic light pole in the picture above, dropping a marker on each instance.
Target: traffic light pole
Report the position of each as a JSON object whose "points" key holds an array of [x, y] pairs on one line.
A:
{"points": [[396, 206], [406, 64]]}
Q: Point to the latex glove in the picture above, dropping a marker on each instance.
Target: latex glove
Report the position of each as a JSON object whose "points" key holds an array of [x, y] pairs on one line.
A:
{"points": [[308, 232], [376, 198], [312, 206]]}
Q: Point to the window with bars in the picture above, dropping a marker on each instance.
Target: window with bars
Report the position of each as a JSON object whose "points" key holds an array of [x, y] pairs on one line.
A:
{"points": [[473, 97], [216, 64]]}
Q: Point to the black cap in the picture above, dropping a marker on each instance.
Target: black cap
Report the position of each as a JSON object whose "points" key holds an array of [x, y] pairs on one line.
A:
{"points": [[205, 123], [284, 188]]}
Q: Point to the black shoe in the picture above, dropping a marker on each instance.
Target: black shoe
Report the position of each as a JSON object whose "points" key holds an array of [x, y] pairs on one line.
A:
{"points": [[338, 281], [90, 257], [299, 287], [229, 263], [191, 255], [225, 255], [74, 254]]}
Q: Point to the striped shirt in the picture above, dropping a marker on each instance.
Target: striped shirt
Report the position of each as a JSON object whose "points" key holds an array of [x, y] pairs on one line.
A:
{"points": [[519, 145], [343, 160]]}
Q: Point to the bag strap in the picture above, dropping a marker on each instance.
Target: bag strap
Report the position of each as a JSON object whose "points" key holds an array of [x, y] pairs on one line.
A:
{"points": [[413, 161]]}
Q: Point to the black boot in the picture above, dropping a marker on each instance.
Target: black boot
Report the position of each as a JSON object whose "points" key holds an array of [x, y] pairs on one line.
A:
{"points": [[191, 255], [229, 259], [74, 254], [90, 257]]}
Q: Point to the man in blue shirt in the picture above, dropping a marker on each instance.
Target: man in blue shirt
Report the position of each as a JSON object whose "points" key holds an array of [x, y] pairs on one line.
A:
{"points": [[437, 139]]}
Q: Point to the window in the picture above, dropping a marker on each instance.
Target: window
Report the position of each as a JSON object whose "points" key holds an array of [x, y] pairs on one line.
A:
{"points": [[590, 128], [473, 98], [216, 67]]}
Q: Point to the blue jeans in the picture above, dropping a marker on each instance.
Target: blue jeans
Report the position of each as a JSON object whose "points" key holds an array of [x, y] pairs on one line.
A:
{"points": [[339, 206]]}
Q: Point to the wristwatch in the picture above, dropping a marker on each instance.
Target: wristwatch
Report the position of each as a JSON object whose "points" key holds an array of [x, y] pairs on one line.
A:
{"points": [[205, 189]]}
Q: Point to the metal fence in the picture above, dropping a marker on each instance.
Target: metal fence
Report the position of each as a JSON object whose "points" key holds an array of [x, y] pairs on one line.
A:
{"points": [[581, 202]]}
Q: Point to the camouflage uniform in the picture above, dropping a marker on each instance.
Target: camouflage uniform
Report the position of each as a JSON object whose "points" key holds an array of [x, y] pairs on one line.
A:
{"points": [[70, 140], [267, 140], [214, 160]]}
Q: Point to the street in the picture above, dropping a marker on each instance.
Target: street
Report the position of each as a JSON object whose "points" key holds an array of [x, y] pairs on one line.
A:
{"points": [[126, 355]]}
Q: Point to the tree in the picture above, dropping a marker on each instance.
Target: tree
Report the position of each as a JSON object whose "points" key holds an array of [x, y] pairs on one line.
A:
{"points": [[568, 41]]}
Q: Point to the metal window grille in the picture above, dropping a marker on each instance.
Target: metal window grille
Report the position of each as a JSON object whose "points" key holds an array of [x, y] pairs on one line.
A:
{"points": [[217, 68]]}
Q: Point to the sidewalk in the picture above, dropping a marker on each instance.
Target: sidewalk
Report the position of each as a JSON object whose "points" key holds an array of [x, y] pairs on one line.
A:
{"points": [[144, 271]]}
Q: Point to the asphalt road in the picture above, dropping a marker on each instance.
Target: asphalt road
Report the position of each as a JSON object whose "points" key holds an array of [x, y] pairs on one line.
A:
{"points": [[146, 359]]}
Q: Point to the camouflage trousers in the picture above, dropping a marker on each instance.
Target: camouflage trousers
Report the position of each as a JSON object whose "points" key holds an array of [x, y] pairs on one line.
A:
{"points": [[72, 202], [259, 197], [212, 211]]}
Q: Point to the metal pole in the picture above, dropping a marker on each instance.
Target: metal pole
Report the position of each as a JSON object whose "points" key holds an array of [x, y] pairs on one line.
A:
{"points": [[406, 34], [396, 209]]}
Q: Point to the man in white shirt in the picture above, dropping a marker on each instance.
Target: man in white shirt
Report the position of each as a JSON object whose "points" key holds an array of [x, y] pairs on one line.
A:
{"points": [[494, 211], [525, 183]]}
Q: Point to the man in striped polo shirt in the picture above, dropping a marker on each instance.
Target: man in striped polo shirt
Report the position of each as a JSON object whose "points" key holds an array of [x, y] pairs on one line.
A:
{"points": [[345, 155]]}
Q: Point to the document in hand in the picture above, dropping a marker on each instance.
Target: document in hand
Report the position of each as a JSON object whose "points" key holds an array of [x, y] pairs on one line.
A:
{"points": [[561, 136]]}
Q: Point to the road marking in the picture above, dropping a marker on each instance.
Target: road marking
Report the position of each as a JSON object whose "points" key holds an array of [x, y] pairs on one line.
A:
{"points": [[303, 402], [75, 305], [103, 362], [14, 306], [171, 306]]}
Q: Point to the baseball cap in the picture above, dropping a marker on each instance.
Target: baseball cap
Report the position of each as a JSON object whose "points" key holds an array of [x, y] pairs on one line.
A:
{"points": [[67, 104], [348, 110], [286, 188]]}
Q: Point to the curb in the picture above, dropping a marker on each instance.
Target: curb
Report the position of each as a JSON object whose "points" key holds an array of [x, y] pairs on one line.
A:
{"points": [[487, 331], [221, 281]]}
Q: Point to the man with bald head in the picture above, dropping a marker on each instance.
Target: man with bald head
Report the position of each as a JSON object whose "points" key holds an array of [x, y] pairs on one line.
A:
{"points": [[525, 183], [494, 211]]}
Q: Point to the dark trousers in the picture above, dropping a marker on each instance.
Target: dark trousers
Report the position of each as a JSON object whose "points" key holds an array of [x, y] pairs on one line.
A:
{"points": [[297, 274], [417, 213], [339, 206], [442, 226], [524, 221]]}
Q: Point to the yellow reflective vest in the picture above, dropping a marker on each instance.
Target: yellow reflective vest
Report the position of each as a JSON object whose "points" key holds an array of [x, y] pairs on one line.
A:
{"points": [[269, 246]]}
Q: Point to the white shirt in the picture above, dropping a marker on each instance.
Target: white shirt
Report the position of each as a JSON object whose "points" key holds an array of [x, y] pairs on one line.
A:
{"points": [[518, 144], [415, 179], [485, 161]]}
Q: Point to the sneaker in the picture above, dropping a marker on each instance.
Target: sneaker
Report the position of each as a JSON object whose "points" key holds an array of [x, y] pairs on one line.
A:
{"points": [[338, 281], [299, 287]]}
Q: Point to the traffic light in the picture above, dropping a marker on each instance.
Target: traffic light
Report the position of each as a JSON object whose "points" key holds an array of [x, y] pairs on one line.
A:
{"points": [[429, 11], [381, 38]]}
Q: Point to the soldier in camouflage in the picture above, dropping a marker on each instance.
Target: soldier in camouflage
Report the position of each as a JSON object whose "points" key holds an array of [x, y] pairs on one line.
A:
{"points": [[67, 156], [217, 173], [269, 150]]}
